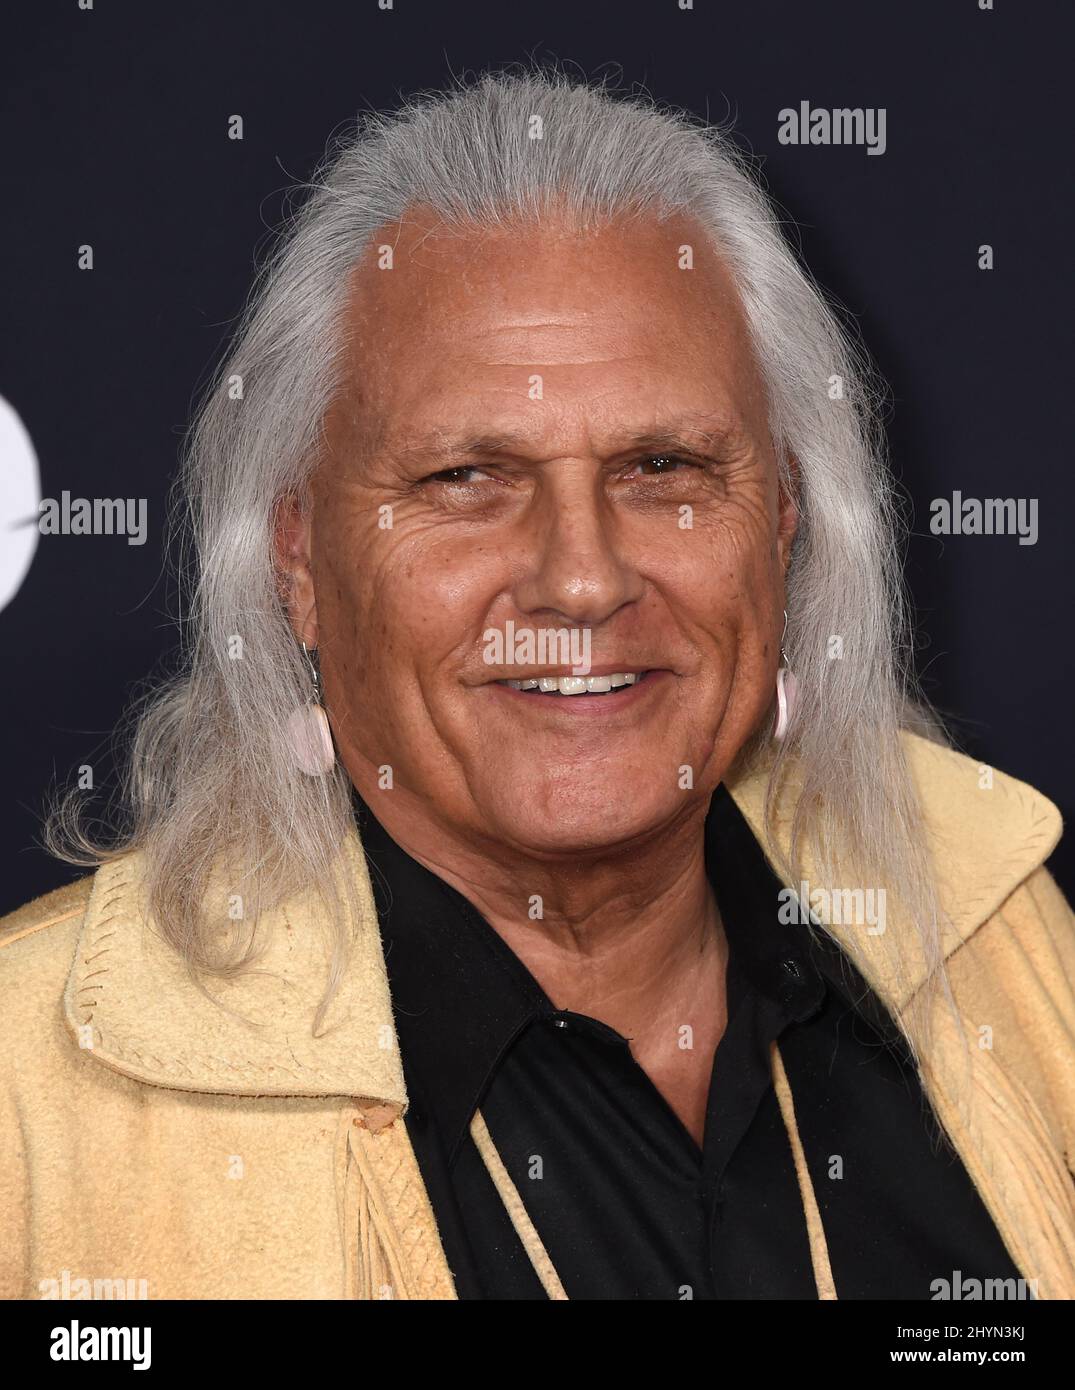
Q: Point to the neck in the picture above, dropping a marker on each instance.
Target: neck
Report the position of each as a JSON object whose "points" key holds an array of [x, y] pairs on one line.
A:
{"points": [[632, 938]]}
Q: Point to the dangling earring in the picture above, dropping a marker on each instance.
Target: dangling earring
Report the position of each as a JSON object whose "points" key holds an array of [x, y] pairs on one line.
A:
{"points": [[785, 689], [309, 732]]}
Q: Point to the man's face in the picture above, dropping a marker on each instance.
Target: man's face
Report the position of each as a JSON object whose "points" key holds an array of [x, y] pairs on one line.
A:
{"points": [[565, 430]]}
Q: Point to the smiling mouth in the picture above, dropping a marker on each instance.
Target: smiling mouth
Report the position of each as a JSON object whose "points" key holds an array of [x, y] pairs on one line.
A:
{"points": [[577, 685]]}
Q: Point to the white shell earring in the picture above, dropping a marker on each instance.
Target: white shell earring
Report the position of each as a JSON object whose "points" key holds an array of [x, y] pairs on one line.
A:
{"points": [[308, 730], [785, 689]]}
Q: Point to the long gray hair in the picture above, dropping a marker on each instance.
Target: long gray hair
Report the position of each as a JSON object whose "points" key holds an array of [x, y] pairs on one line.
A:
{"points": [[212, 778]]}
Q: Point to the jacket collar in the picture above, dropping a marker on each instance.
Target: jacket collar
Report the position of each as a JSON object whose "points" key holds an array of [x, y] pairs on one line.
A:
{"points": [[986, 833], [130, 1000]]}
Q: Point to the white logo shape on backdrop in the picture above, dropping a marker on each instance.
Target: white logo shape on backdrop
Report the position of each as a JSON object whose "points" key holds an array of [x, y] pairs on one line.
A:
{"points": [[20, 497]]}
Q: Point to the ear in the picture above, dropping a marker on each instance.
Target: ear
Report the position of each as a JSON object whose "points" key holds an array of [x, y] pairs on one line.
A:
{"points": [[788, 513], [291, 542]]}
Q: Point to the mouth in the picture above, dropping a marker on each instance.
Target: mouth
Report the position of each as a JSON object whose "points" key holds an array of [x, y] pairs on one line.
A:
{"points": [[585, 694], [576, 685]]}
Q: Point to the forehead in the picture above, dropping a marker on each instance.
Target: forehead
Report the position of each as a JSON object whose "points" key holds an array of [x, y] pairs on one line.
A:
{"points": [[633, 314]]}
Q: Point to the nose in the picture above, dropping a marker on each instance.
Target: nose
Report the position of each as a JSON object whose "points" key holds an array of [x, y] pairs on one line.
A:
{"points": [[577, 567]]}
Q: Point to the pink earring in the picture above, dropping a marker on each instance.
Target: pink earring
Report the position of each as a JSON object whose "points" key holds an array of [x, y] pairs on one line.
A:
{"points": [[308, 730], [785, 689]]}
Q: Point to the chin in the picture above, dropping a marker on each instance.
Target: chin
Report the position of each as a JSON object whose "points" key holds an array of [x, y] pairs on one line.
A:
{"points": [[570, 822]]}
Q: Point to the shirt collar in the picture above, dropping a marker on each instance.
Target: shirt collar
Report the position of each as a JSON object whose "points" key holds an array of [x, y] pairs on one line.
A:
{"points": [[461, 995]]}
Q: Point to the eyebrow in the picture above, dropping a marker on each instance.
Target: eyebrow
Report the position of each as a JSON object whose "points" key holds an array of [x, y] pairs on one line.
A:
{"points": [[685, 432]]}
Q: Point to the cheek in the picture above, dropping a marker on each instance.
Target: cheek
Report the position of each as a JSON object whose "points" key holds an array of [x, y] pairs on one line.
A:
{"points": [[721, 582], [411, 599]]}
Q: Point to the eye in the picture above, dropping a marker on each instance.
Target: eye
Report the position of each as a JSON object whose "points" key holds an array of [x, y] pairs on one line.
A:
{"points": [[656, 465], [455, 475]]}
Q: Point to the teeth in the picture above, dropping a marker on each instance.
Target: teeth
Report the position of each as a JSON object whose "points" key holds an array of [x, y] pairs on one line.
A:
{"points": [[577, 685]]}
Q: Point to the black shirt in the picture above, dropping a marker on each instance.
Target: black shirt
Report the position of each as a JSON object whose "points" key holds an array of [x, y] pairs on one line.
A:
{"points": [[624, 1201]]}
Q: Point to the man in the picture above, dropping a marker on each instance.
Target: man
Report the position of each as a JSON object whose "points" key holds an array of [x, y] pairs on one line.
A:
{"points": [[514, 726]]}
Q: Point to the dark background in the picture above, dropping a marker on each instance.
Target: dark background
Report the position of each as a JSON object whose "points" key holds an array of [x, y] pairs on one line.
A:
{"points": [[114, 132]]}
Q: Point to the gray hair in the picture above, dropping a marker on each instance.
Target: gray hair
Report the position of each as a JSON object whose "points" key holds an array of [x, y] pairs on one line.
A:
{"points": [[212, 778]]}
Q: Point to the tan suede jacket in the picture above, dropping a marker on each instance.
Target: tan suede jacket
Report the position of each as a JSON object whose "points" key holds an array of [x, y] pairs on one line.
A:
{"points": [[151, 1137]]}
